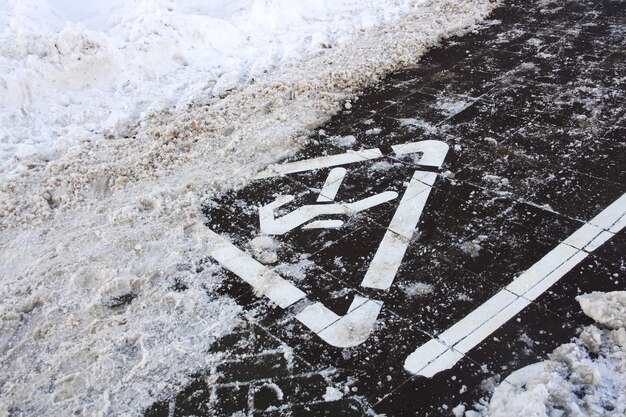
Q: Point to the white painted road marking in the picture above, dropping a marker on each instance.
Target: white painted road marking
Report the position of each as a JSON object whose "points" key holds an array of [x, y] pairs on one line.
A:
{"points": [[389, 255], [356, 326], [449, 347], [318, 163], [281, 225], [350, 330], [264, 281], [433, 154], [433, 151], [331, 186]]}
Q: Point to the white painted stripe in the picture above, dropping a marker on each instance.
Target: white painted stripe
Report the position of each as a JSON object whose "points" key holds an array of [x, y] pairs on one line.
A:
{"points": [[619, 225], [370, 202], [331, 186], [387, 260], [583, 236], [317, 317], [491, 325], [342, 331], [446, 361], [324, 224], [433, 151], [412, 205], [263, 281], [555, 258], [318, 163], [598, 241], [507, 303], [390, 252], [477, 318], [543, 285], [611, 215], [355, 327], [424, 355]]}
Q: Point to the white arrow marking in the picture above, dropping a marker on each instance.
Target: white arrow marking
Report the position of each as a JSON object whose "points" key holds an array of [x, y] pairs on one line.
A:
{"points": [[449, 347]]}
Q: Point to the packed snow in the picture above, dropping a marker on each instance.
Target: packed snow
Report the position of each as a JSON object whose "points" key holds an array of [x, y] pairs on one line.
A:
{"points": [[74, 70], [584, 378], [118, 121]]}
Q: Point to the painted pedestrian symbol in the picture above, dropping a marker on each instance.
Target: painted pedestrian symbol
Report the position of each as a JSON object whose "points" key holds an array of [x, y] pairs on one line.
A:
{"points": [[356, 326], [448, 347], [278, 226]]}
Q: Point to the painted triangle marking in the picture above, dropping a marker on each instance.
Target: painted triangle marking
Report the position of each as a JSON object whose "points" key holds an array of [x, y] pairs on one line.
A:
{"points": [[357, 324]]}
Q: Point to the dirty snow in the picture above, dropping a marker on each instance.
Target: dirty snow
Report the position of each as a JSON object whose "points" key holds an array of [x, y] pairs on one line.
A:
{"points": [[584, 378], [116, 128], [73, 71], [606, 309]]}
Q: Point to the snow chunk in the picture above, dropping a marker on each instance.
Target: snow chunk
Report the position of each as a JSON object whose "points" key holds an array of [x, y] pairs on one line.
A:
{"points": [[608, 309], [343, 141], [332, 394], [264, 249], [417, 289], [586, 377]]}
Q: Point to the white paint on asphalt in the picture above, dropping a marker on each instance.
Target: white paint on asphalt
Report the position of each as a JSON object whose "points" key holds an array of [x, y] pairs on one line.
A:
{"points": [[506, 304], [324, 224], [390, 252], [433, 154], [263, 280], [433, 151], [331, 186], [320, 162], [279, 226], [355, 327]]}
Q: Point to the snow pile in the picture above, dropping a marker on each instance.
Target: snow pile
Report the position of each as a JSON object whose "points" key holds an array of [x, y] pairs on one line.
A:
{"points": [[606, 309], [581, 379], [108, 299], [72, 70]]}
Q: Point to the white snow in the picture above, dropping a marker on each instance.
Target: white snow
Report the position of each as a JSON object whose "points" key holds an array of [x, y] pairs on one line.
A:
{"points": [[72, 70], [607, 309], [584, 378], [118, 121], [417, 289], [279, 392], [344, 141], [332, 394]]}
